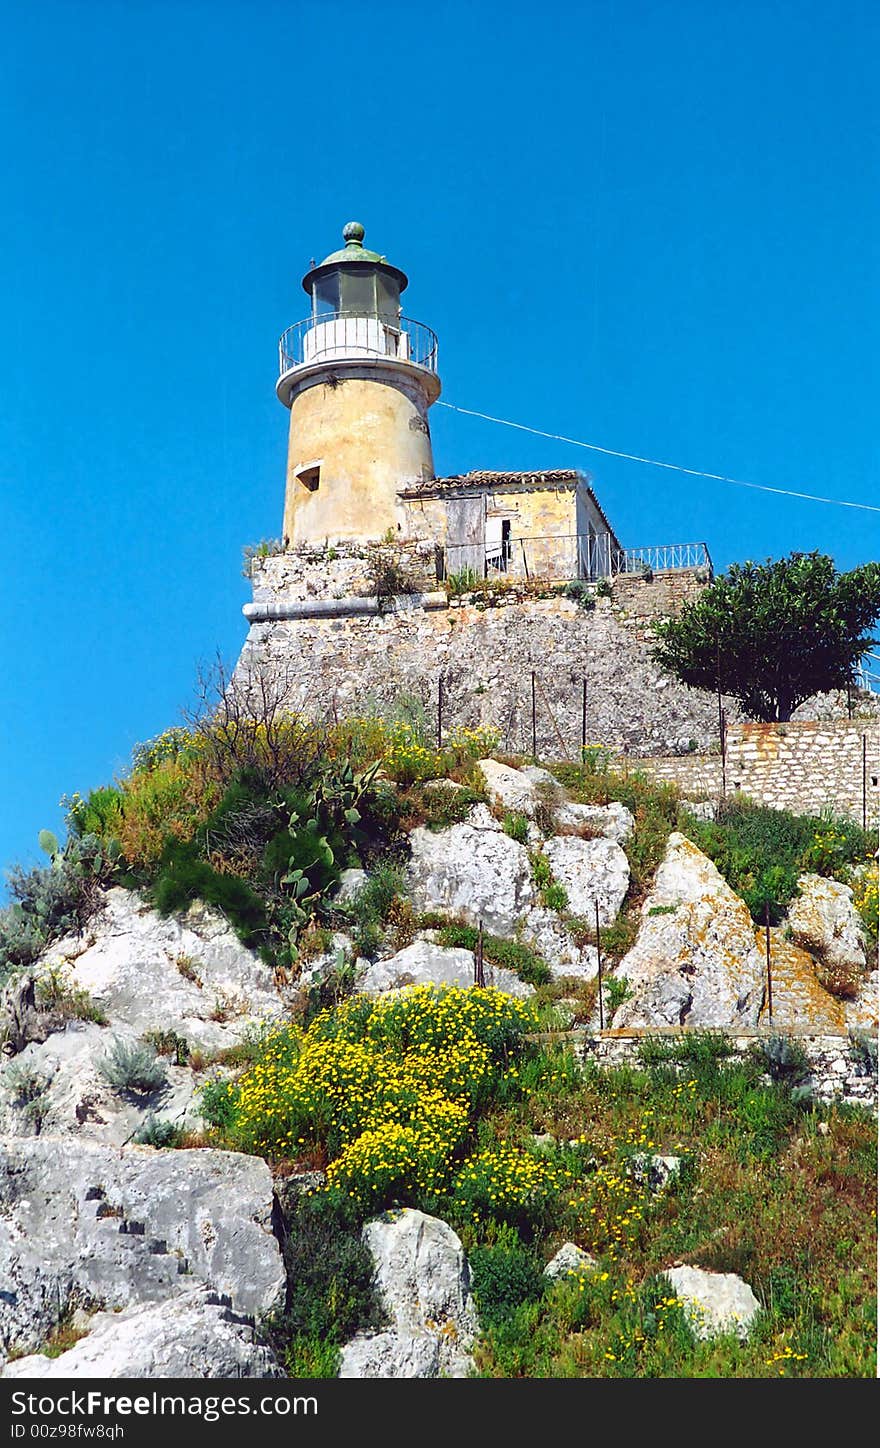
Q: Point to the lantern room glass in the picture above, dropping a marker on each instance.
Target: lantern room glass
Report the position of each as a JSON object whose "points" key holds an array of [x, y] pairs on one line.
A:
{"points": [[361, 292]]}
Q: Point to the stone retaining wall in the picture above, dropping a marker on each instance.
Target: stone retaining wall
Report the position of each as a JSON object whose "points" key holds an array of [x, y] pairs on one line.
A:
{"points": [[485, 657], [806, 765]]}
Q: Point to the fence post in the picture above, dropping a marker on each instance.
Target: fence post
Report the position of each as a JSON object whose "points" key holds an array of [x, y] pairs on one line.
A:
{"points": [[439, 711], [584, 722], [769, 971], [864, 781], [599, 969], [534, 722], [479, 973]]}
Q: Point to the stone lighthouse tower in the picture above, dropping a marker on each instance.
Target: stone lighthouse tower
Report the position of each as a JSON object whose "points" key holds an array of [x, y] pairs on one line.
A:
{"points": [[358, 378]]}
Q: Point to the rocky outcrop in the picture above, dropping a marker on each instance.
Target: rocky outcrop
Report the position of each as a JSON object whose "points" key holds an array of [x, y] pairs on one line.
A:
{"points": [[472, 873], [592, 871], [57, 1088], [545, 932], [714, 1302], [695, 961], [423, 1282], [424, 963], [823, 920], [85, 1225], [190, 974], [797, 997], [198, 1336]]}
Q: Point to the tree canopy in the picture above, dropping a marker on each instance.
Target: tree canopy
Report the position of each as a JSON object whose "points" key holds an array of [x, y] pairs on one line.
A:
{"points": [[773, 634]]}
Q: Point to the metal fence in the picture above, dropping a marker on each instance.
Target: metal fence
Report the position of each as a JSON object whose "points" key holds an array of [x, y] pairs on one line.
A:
{"points": [[567, 556], [338, 336], [867, 675]]}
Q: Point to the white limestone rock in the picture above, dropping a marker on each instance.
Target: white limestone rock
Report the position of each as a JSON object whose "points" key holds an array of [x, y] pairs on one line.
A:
{"points": [[189, 973], [611, 821], [590, 871], [824, 921], [570, 1261], [56, 1088], [695, 961], [477, 874], [861, 1013], [544, 931], [351, 883], [89, 1225], [424, 963], [423, 1282], [714, 1302], [654, 1170], [197, 1335], [520, 790]]}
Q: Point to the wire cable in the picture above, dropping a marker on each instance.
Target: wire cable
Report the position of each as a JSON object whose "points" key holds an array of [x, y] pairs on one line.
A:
{"points": [[654, 463]]}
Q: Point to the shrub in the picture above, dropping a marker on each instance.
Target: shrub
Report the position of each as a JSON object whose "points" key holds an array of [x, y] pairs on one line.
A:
{"points": [[507, 1184], [132, 1069], [581, 593], [783, 1058], [386, 1088], [184, 877], [465, 581], [330, 1287], [616, 990], [51, 902], [165, 802], [169, 1043], [164, 1135], [762, 851], [503, 1277]]}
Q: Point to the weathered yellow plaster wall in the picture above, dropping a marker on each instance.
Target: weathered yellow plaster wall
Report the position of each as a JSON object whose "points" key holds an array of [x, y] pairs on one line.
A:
{"points": [[370, 438]]}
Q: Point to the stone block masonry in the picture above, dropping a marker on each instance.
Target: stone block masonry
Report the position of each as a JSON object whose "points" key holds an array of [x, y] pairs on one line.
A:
{"points": [[807, 766], [483, 658]]}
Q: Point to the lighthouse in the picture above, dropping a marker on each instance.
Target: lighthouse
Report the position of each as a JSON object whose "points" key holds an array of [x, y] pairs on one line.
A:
{"points": [[358, 378]]}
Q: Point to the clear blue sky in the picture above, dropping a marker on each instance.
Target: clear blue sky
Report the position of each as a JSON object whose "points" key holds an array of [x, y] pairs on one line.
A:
{"points": [[648, 225]]}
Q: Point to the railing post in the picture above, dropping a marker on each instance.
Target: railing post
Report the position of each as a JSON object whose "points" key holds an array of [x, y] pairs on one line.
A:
{"points": [[599, 968]]}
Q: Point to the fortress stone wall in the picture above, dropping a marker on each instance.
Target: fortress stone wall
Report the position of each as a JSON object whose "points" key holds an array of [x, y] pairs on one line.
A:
{"points": [[332, 648]]}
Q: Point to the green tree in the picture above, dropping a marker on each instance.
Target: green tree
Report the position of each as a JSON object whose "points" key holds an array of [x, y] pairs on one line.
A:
{"points": [[773, 634]]}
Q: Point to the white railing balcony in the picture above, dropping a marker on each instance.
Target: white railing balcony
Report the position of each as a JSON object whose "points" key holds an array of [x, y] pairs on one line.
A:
{"points": [[340, 337]]}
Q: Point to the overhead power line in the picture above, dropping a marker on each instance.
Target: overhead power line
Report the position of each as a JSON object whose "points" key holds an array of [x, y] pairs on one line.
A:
{"points": [[654, 463]]}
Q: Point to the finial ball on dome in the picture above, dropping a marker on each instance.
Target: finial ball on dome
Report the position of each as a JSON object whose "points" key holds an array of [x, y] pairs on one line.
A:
{"points": [[353, 231]]}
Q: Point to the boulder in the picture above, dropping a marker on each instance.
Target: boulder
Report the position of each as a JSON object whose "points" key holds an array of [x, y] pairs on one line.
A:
{"points": [[714, 1302], [570, 1261], [653, 1170], [695, 961], [519, 790], [823, 920], [423, 1282], [198, 1337], [472, 873], [190, 974], [88, 1225], [591, 871], [424, 963], [611, 821]]}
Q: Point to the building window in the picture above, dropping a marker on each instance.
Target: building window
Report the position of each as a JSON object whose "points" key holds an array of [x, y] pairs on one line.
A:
{"points": [[310, 476]]}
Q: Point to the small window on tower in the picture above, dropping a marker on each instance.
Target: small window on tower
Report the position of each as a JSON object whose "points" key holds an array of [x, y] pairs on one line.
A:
{"points": [[310, 476]]}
